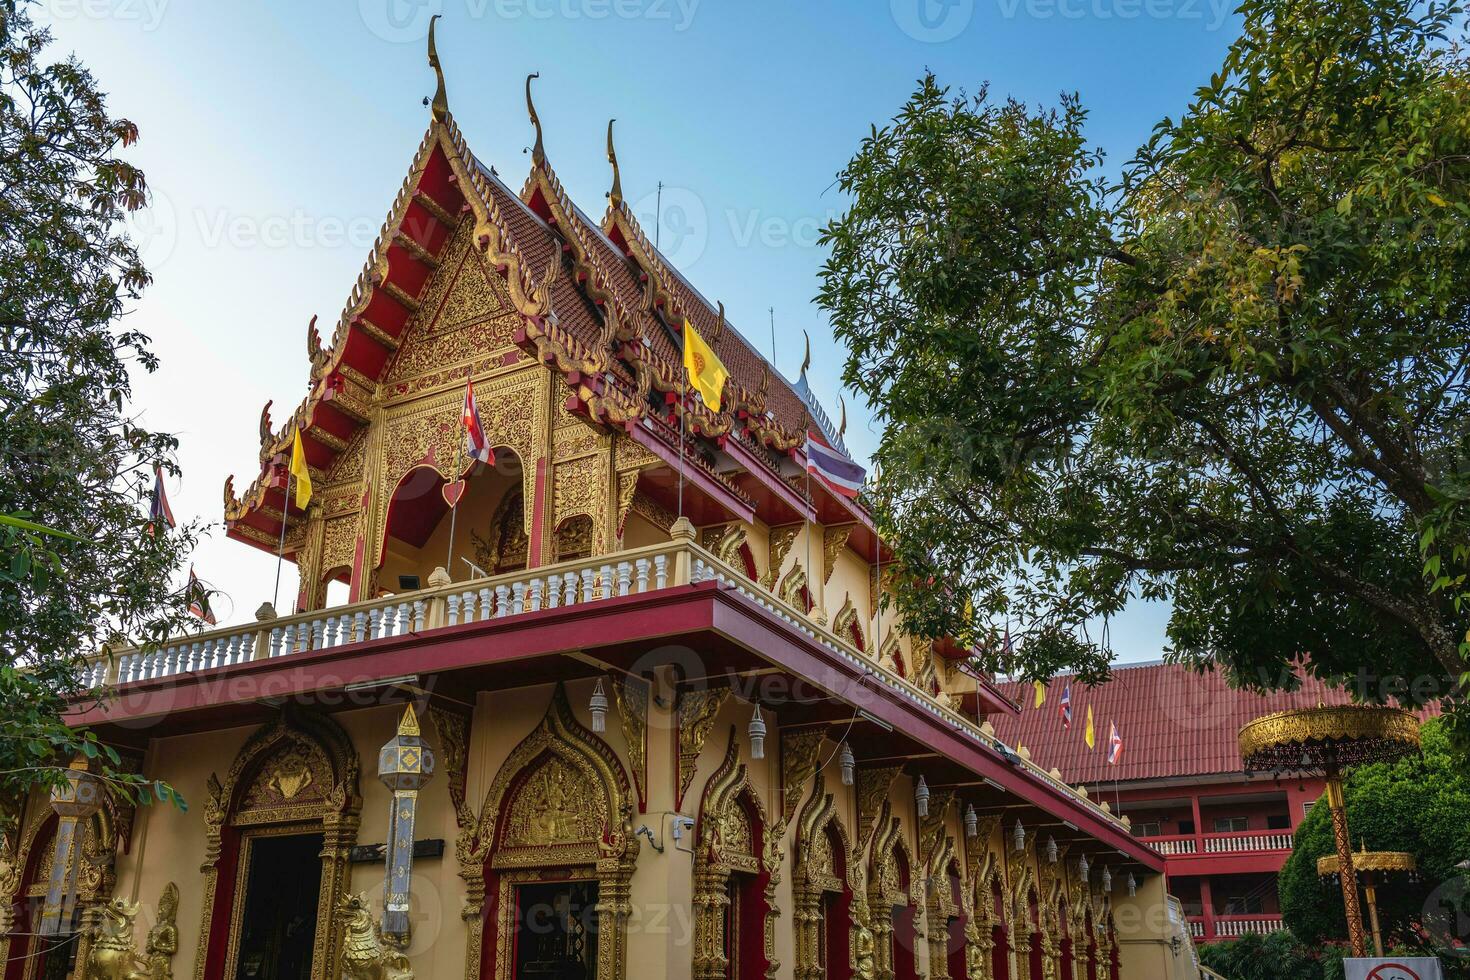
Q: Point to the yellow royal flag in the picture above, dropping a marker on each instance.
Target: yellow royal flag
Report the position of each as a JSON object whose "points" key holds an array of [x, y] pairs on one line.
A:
{"points": [[706, 372], [1040, 694], [302, 472], [1091, 734]]}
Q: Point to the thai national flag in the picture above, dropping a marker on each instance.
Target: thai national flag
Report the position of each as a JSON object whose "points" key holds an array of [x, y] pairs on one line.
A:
{"points": [[476, 446], [199, 599], [840, 473], [1066, 707], [1115, 744], [159, 512]]}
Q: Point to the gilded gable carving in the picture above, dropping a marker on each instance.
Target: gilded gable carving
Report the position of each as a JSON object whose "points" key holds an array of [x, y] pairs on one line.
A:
{"points": [[348, 468], [472, 317], [558, 805], [339, 542]]}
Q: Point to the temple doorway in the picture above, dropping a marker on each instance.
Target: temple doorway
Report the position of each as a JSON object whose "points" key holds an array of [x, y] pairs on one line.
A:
{"points": [[281, 889], [556, 931]]}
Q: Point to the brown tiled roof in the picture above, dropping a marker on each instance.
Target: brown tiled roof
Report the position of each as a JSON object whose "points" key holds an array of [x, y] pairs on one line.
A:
{"points": [[1173, 722]]}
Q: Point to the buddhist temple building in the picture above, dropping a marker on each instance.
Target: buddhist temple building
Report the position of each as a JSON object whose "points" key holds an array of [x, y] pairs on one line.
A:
{"points": [[629, 708]]}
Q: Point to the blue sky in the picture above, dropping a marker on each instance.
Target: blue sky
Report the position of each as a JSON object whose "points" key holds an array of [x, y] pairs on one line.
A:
{"points": [[274, 136]]}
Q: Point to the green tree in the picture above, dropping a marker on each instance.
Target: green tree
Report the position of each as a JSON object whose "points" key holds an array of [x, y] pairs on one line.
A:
{"points": [[1232, 377], [1421, 805], [72, 459]]}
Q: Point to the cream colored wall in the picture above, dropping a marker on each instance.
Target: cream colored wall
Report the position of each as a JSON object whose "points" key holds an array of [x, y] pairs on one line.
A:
{"points": [[168, 844]]}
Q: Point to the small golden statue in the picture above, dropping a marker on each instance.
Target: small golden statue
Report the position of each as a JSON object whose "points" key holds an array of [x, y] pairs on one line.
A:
{"points": [[114, 955], [365, 956], [865, 966], [163, 938]]}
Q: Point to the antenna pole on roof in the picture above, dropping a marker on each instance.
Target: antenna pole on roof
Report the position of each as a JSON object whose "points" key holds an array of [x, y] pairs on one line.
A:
{"points": [[658, 214]]}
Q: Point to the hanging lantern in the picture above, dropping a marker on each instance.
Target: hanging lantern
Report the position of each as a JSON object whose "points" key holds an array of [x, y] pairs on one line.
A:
{"points": [[847, 763], [1132, 885], [75, 801], [598, 707], [757, 732], [1084, 868], [921, 797], [405, 764], [1051, 850], [1107, 881], [1018, 837], [972, 822]]}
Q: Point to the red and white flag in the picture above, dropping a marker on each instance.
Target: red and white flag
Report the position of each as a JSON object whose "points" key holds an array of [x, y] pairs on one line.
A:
{"points": [[199, 599], [476, 446], [160, 514], [1115, 744]]}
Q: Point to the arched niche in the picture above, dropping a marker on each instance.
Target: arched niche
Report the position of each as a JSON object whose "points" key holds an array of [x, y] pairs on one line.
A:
{"points": [[559, 809], [892, 904], [735, 866], [891, 656], [828, 935], [847, 626], [949, 915], [793, 589], [990, 948], [492, 514], [729, 543], [575, 538], [296, 775]]}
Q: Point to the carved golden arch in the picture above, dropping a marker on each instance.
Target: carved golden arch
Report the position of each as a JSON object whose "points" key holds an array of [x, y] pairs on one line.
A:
{"points": [[886, 890], [987, 920], [793, 589], [946, 900], [728, 542], [822, 869], [734, 836], [890, 657], [846, 625], [300, 770], [560, 804]]}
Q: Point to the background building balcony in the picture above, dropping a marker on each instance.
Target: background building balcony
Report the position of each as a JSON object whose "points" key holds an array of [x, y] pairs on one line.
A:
{"points": [[1244, 842], [1233, 926]]}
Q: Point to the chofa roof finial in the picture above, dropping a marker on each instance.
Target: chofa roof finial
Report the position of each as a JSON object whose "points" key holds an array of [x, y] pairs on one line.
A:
{"points": [[440, 106], [719, 326], [538, 152], [842, 426], [806, 361], [614, 196]]}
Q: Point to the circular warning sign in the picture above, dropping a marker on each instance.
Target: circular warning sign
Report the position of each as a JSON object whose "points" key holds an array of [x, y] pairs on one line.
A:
{"points": [[1393, 971]]}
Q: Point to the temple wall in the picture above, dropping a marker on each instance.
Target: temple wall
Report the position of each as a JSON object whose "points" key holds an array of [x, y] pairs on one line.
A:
{"points": [[169, 844]]}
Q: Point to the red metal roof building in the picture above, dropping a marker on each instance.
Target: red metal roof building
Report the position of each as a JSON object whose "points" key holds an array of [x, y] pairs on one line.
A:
{"points": [[1180, 781]]}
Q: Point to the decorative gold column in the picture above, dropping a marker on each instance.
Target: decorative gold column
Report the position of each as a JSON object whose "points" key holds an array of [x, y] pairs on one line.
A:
{"points": [[1347, 873]]}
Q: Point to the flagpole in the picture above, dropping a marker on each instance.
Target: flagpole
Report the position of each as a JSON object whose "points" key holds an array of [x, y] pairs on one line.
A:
{"points": [[281, 550], [683, 411], [458, 451]]}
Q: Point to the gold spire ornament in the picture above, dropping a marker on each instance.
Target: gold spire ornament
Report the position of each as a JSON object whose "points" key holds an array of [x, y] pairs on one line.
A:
{"points": [[538, 152], [440, 106], [614, 196]]}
